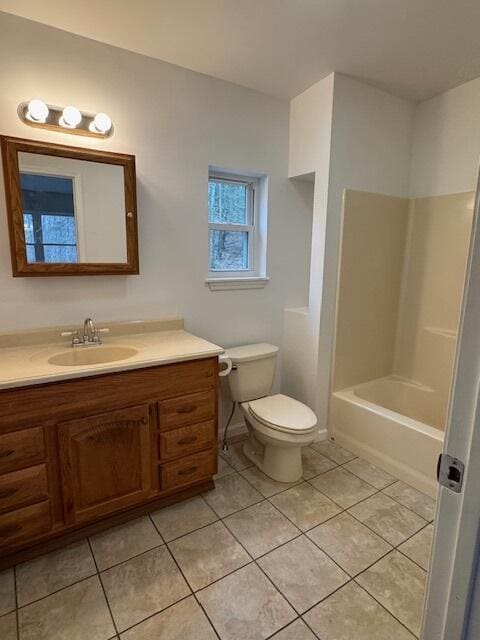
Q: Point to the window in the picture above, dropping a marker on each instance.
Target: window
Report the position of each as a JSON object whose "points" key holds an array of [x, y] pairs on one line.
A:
{"points": [[237, 230], [231, 222], [49, 218]]}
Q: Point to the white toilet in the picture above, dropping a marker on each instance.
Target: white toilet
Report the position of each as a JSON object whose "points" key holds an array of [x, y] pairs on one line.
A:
{"points": [[278, 425]]}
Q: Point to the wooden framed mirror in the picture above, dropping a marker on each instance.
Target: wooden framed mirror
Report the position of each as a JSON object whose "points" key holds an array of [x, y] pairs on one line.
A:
{"points": [[71, 211]]}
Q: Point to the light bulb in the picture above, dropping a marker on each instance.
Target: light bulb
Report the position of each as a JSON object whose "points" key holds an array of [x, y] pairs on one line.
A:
{"points": [[102, 123], [37, 111], [71, 117]]}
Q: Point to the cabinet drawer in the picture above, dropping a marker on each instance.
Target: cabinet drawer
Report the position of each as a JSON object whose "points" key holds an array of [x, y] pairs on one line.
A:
{"points": [[21, 449], [23, 487], [28, 522], [196, 407], [188, 470], [180, 442]]}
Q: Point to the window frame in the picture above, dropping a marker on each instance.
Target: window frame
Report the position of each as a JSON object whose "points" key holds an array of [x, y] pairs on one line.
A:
{"points": [[251, 228], [76, 178]]}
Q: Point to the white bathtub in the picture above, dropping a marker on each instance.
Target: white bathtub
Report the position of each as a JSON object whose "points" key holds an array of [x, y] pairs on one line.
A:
{"points": [[384, 421]]}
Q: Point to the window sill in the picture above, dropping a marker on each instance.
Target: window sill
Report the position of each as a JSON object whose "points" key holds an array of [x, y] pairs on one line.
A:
{"points": [[227, 284]]}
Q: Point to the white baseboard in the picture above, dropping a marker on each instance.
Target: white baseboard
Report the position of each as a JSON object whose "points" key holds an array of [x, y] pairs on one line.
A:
{"points": [[322, 434]]}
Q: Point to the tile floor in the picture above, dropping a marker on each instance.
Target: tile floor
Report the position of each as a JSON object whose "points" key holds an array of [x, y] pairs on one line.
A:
{"points": [[342, 554]]}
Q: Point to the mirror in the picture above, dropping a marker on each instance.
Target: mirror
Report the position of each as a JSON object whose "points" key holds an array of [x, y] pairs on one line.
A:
{"points": [[71, 211]]}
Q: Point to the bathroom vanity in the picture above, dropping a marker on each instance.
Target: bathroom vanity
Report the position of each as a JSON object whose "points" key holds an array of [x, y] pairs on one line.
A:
{"points": [[85, 447]]}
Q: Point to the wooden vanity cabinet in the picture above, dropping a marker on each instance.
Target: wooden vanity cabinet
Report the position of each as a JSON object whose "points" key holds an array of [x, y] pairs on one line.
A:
{"points": [[78, 456]]}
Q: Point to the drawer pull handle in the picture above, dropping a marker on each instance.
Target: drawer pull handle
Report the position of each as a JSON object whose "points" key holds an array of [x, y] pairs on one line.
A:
{"points": [[6, 493], [187, 472], [144, 420], [7, 453], [188, 440], [188, 408], [10, 530]]}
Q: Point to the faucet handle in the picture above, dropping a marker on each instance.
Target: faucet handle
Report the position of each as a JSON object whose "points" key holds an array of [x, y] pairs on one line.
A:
{"points": [[75, 337]]}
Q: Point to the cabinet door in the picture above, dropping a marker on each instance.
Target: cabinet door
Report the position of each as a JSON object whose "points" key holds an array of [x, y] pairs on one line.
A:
{"points": [[105, 462]]}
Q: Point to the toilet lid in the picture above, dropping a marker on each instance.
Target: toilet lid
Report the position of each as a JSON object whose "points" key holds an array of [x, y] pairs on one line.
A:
{"points": [[283, 413]]}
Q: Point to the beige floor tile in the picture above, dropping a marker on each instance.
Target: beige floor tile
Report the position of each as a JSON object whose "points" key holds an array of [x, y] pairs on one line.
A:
{"points": [[54, 571], [418, 548], [422, 504], [143, 586], [231, 493], [267, 486], [246, 606], [261, 528], [302, 573], [343, 487], [375, 476], [298, 630], [7, 591], [333, 451], [208, 554], [183, 621], [399, 585], [75, 613], [349, 543], [224, 469], [235, 456], [122, 543], [305, 506], [393, 522], [183, 517], [351, 614], [8, 626], [315, 463]]}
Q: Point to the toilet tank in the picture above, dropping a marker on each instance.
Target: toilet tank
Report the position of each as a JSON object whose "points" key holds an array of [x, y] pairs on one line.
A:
{"points": [[253, 370]]}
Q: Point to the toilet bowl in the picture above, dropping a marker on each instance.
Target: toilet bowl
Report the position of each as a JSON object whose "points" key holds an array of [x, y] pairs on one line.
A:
{"points": [[278, 426]]}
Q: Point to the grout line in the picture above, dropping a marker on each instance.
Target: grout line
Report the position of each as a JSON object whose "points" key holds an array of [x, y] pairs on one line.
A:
{"points": [[385, 608], [27, 604], [254, 561], [16, 602], [103, 587], [193, 593]]}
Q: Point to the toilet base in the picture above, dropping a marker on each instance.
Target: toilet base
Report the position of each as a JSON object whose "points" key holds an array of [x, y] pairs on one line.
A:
{"points": [[281, 463]]}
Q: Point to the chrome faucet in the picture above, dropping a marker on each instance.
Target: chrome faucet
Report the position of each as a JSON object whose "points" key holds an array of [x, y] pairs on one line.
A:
{"points": [[90, 334]]}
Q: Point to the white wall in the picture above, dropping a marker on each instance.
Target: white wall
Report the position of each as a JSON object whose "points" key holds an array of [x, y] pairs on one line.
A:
{"points": [[446, 142], [310, 143], [176, 123], [368, 149]]}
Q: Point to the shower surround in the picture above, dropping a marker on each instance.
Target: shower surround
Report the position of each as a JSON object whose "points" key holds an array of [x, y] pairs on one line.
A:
{"points": [[401, 273]]}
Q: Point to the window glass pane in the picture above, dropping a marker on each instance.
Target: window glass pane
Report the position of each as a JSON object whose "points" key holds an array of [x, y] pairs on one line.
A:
{"points": [[28, 227], [228, 250], [31, 253], [227, 202], [59, 253], [59, 229]]}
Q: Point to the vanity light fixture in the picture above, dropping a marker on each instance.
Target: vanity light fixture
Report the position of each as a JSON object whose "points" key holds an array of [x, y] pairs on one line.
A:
{"points": [[102, 123], [37, 113], [71, 116]]}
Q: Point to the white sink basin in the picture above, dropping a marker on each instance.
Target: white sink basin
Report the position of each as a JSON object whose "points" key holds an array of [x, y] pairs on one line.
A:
{"points": [[84, 356]]}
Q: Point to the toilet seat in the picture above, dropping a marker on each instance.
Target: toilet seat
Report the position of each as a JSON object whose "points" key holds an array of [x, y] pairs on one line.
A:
{"points": [[282, 413]]}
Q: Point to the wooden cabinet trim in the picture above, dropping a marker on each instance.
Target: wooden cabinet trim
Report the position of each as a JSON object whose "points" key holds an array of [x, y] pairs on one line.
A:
{"points": [[186, 440], [24, 487], [69, 399], [21, 449], [24, 523], [94, 485], [40, 421]]}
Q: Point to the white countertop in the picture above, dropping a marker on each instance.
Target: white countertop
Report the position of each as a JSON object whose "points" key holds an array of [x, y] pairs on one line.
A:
{"points": [[28, 364]]}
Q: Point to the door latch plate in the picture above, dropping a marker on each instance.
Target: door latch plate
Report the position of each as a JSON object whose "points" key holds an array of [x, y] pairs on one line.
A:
{"points": [[450, 472]]}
